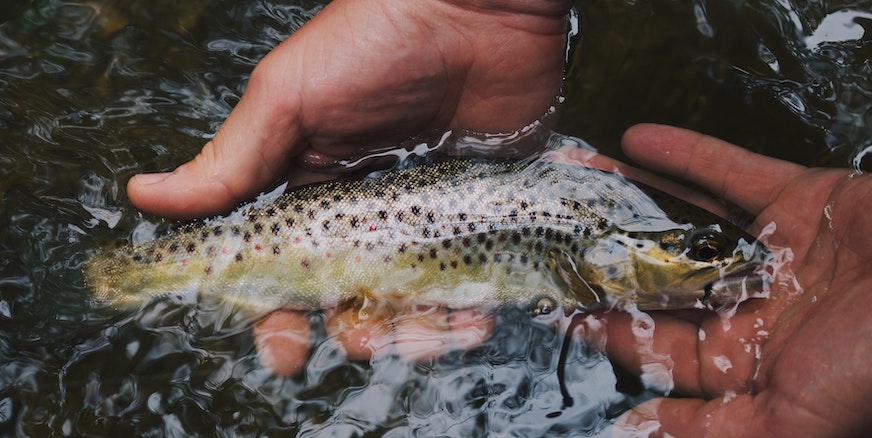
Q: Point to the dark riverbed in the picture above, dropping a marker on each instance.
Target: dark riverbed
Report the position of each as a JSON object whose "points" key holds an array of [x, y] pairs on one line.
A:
{"points": [[92, 92]]}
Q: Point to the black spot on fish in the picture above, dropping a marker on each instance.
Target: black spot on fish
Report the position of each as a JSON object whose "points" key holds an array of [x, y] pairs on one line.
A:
{"points": [[356, 244], [558, 236], [208, 270], [402, 249], [461, 216], [137, 257], [539, 247], [446, 243], [289, 222], [238, 257], [539, 231], [498, 257], [524, 259], [526, 231], [383, 215], [441, 266], [602, 223], [416, 210], [326, 224], [204, 235], [516, 237], [325, 204], [399, 216], [258, 227], [387, 259], [304, 263], [247, 236], [471, 227], [276, 228], [489, 244], [191, 247], [549, 234], [481, 237], [173, 247], [420, 257], [311, 214], [574, 247], [277, 250], [467, 259], [431, 217], [355, 222], [210, 251], [457, 230], [217, 231], [453, 264], [298, 207], [270, 212], [433, 253], [524, 205], [466, 242], [235, 231], [482, 258], [370, 246]]}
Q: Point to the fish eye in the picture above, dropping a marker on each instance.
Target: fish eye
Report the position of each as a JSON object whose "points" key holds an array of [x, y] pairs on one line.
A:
{"points": [[706, 246]]}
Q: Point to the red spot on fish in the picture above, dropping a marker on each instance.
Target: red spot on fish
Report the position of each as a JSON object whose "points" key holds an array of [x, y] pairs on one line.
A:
{"points": [[297, 239], [184, 262], [328, 255], [372, 228], [257, 247], [224, 250], [356, 258]]}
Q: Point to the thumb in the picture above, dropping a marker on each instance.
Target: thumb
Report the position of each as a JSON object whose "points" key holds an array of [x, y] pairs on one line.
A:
{"points": [[251, 151], [722, 417]]}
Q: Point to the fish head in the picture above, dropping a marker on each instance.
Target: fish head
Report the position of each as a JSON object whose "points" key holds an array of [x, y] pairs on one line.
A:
{"points": [[703, 267], [711, 266]]}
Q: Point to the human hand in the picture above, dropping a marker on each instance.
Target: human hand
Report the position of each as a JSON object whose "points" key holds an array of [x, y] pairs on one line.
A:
{"points": [[368, 74], [796, 364]]}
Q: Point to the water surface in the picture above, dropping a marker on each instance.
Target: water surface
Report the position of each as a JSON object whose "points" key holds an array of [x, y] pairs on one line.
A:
{"points": [[92, 92]]}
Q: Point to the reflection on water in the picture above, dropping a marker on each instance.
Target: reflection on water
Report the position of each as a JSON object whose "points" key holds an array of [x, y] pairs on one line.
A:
{"points": [[92, 92]]}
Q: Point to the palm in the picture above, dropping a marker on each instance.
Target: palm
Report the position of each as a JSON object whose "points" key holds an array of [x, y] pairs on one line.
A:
{"points": [[781, 363]]}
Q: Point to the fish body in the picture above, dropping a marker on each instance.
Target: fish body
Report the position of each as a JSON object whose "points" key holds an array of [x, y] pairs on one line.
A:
{"points": [[459, 233]]}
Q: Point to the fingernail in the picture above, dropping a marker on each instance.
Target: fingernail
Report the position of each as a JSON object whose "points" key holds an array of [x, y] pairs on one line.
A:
{"points": [[151, 178]]}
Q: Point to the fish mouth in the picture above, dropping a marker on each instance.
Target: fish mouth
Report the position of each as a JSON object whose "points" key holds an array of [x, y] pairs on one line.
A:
{"points": [[732, 289]]}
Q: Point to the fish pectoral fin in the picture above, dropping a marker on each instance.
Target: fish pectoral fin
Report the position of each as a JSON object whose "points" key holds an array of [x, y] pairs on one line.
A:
{"points": [[585, 294]]}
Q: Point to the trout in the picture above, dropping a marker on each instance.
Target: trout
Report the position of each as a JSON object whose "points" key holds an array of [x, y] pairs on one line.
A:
{"points": [[459, 233]]}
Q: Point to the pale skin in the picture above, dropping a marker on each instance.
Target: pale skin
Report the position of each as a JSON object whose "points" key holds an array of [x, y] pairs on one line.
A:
{"points": [[798, 360]]}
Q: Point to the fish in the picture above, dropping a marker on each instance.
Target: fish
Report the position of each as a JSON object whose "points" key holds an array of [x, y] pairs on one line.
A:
{"points": [[459, 233]]}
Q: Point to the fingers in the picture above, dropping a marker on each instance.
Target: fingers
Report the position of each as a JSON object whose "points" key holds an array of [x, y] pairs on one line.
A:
{"points": [[749, 180], [582, 157], [251, 151], [725, 417], [283, 338], [282, 341]]}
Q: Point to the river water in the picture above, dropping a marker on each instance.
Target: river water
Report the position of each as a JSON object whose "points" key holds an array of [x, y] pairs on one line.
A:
{"points": [[92, 92]]}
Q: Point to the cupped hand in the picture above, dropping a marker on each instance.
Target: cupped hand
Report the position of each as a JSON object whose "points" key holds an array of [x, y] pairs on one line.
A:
{"points": [[364, 75], [796, 364]]}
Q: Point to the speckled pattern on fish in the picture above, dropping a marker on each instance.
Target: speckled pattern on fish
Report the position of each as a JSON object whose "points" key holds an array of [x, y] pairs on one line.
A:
{"points": [[459, 233]]}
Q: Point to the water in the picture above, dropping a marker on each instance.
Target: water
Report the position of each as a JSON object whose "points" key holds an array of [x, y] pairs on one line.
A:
{"points": [[92, 92]]}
